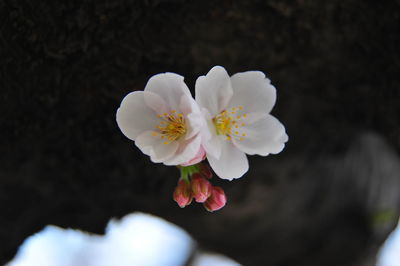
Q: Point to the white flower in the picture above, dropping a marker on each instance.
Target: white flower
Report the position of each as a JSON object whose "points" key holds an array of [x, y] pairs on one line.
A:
{"points": [[163, 120], [236, 110]]}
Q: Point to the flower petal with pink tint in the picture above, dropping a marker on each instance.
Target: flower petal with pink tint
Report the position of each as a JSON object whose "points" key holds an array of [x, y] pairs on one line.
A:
{"points": [[216, 201], [183, 193], [201, 188], [200, 156]]}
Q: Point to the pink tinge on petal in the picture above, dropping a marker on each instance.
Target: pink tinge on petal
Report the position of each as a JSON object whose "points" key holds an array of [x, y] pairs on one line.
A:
{"points": [[201, 188], [183, 194], [200, 156], [216, 201]]}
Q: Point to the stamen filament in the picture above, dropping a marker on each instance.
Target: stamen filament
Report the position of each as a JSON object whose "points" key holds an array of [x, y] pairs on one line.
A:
{"points": [[225, 122], [172, 127]]}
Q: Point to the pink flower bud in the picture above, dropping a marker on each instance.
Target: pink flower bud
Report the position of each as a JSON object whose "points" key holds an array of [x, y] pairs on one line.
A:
{"points": [[201, 188], [216, 201], [183, 193], [205, 171], [200, 156]]}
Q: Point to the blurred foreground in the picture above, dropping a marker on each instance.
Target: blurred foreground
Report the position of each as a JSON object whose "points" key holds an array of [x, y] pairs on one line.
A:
{"points": [[137, 239], [389, 255]]}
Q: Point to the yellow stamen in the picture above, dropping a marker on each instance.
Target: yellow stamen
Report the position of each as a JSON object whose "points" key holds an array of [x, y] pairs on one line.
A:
{"points": [[172, 127], [225, 122]]}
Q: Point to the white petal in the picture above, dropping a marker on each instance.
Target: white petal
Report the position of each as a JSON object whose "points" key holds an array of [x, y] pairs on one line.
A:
{"points": [[195, 123], [188, 105], [214, 90], [186, 151], [232, 163], [155, 102], [263, 137], [134, 116], [194, 118], [253, 91], [170, 87], [212, 144], [154, 147], [210, 139]]}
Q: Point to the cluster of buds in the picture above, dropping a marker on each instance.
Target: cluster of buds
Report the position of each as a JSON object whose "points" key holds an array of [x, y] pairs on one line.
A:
{"points": [[194, 184]]}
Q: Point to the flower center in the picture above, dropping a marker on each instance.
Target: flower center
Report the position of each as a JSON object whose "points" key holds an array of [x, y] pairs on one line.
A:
{"points": [[228, 123], [171, 127]]}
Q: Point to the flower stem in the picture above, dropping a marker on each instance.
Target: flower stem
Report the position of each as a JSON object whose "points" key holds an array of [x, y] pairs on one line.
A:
{"points": [[187, 171], [184, 174]]}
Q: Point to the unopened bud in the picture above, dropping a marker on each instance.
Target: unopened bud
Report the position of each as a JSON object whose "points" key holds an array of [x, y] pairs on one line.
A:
{"points": [[183, 193], [205, 170], [216, 201], [201, 188]]}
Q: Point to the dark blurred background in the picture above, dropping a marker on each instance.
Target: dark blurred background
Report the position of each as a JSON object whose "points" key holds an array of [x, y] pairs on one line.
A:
{"points": [[330, 198]]}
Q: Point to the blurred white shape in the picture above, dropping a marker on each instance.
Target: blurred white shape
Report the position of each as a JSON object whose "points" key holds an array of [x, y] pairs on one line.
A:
{"points": [[210, 259], [53, 246], [140, 239], [389, 255], [137, 239]]}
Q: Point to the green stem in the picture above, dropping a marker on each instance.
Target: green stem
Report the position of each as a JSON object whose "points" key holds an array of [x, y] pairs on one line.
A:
{"points": [[184, 174], [188, 171]]}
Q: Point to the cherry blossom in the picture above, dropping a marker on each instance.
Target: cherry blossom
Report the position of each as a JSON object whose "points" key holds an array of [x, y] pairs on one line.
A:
{"points": [[238, 120], [163, 120]]}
